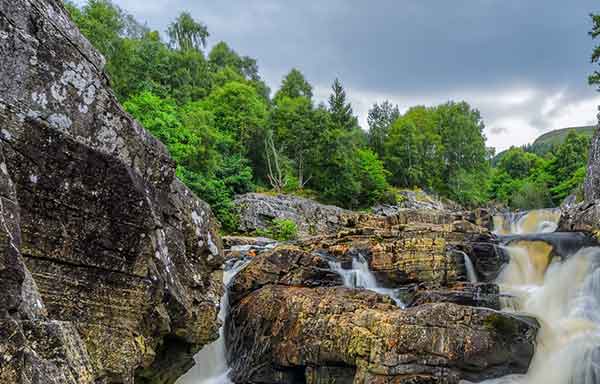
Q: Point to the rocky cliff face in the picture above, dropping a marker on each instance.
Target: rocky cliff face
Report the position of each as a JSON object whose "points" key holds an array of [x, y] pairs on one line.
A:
{"points": [[109, 266]]}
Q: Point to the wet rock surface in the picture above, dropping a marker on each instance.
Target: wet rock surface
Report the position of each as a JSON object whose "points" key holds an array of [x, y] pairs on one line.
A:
{"points": [[283, 334], [107, 263], [291, 320]]}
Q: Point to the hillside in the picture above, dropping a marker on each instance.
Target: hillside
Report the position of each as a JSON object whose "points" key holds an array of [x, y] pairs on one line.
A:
{"points": [[543, 144], [558, 136]]}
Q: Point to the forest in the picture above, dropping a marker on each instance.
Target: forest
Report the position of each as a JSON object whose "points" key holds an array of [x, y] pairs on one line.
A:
{"points": [[230, 134]]}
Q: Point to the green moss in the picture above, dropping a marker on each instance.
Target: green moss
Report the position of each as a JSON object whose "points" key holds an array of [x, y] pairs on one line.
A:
{"points": [[501, 324]]}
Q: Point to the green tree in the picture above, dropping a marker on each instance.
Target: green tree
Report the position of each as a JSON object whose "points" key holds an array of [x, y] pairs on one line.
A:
{"points": [[294, 85], [519, 164], [292, 121], [594, 78], [102, 22], [380, 118], [240, 111], [340, 109], [185, 33], [461, 130]]}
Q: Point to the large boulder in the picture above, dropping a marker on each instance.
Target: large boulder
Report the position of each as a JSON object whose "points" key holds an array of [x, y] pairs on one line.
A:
{"points": [[258, 210], [108, 264], [282, 334]]}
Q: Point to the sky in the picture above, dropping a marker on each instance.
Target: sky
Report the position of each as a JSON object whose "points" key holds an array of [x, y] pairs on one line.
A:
{"points": [[522, 63]]}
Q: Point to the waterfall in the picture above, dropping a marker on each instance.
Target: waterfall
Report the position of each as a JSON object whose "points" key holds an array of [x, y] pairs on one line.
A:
{"points": [[211, 363], [564, 295], [471, 274], [523, 222], [360, 276]]}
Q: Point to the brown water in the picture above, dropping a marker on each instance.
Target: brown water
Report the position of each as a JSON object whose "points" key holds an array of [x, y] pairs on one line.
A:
{"points": [[564, 295]]}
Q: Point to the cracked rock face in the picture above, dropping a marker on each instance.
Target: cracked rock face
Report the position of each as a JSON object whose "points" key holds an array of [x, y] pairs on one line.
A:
{"points": [[107, 262]]}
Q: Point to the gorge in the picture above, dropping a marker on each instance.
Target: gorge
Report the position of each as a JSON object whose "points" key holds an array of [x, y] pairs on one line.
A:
{"points": [[113, 271]]}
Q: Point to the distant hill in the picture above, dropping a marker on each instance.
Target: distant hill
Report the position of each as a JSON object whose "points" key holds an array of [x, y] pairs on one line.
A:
{"points": [[543, 144], [558, 136]]}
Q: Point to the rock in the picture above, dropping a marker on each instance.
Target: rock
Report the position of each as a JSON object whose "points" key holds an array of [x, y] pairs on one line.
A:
{"points": [[584, 216], [591, 185], [237, 241], [286, 265], [472, 294], [417, 200], [258, 210], [108, 264], [408, 256], [238, 247], [295, 334]]}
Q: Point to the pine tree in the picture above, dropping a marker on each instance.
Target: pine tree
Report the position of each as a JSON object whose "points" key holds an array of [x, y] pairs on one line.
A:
{"points": [[340, 109]]}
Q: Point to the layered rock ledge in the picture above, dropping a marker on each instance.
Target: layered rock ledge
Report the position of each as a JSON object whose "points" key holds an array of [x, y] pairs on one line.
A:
{"points": [[292, 322]]}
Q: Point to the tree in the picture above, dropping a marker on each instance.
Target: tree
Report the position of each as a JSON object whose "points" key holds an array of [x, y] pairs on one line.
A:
{"points": [[185, 33], [380, 118], [461, 130], [413, 150], [594, 79], [292, 120], [518, 164], [341, 110], [294, 85], [238, 110], [102, 22]]}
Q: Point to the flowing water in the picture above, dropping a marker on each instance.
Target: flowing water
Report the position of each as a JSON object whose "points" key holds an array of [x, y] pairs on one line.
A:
{"points": [[524, 222], [471, 273], [564, 295], [211, 363], [360, 276]]}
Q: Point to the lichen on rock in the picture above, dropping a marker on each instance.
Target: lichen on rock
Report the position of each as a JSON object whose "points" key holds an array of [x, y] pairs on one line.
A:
{"points": [[108, 263]]}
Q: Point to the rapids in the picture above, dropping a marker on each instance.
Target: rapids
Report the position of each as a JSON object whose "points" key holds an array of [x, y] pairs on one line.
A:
{"points": [[524, 222], [563, 294], [360, 276]]}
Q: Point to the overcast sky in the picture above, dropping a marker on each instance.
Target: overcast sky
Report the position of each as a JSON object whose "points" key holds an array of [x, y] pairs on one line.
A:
{"points": [[522, 63]]}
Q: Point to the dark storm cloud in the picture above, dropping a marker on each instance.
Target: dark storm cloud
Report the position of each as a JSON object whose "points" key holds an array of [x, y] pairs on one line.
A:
{"points": [[416, 51]]}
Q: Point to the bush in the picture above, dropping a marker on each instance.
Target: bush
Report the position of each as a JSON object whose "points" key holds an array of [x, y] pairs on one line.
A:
{"points": [[280, 229], [284, 229]]}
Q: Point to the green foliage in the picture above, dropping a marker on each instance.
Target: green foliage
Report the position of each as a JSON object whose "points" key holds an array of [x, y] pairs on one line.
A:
{"points": [[227, 137], [342, 116], [187, 34], [439, 148], [294, 85], [380, 119], [594, 79], [524, 180], [283, 229]]}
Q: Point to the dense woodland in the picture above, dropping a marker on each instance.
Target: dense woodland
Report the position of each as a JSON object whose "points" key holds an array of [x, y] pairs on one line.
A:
{"points": [[229, 134]]}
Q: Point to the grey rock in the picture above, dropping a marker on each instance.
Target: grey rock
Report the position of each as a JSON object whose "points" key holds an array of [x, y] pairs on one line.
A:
{"points": [[257, 211], [108, 264]]}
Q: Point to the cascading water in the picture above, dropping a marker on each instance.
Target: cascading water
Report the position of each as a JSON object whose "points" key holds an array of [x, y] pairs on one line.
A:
{"points": [[360, 276], [524, 222], [471, 274], [211, 363], [564, 295]]}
